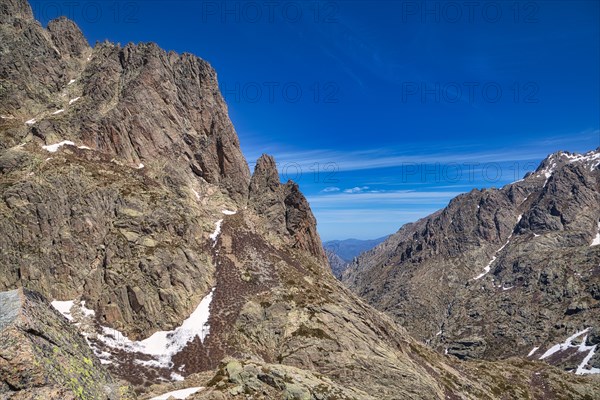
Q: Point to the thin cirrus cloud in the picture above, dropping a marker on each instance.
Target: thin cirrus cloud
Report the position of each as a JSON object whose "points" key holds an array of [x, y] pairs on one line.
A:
{"points": [[372, 215], [376, 158], [357, 189], [372, 194], [346, 200]]}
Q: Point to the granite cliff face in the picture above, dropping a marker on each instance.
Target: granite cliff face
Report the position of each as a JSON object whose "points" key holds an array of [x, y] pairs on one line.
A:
{"points": [[138, 231], [126, 201], [499, 272]]}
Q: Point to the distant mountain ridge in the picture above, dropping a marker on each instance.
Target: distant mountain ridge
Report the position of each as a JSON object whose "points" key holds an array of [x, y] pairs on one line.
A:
{"points": [[340, 253], [347, 249], [500, 272]]}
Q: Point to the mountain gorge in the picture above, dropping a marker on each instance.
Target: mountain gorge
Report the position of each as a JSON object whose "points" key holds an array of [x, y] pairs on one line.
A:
{"points": [[340, 253], [139, 255]]}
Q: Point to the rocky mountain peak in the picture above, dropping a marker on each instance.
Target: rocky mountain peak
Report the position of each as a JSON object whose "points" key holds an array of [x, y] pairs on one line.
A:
{"points": [[138, 104], [284, 207], [301, 223], [557, 160], [10, 9], [67, 37], [265, 175]]}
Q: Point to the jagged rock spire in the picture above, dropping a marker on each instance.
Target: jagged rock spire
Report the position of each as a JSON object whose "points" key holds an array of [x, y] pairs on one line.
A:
{"points": [[284, 207]]}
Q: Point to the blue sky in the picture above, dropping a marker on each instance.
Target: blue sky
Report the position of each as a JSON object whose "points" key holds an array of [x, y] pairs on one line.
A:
{"points": [[383, 111]]}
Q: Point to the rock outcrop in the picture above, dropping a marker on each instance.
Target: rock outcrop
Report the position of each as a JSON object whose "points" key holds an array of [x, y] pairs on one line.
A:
{"points": [[237, 379], [513, 267], [43, 356], [285, 207], [337, 265]]}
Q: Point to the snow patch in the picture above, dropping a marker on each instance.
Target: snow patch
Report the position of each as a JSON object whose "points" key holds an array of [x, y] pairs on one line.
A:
{"points": [[596, 240], [196, 194], [74, 100], [84, 148], [488, 267], [592, 158], [72, 81], [229, 212], [64, 307], [178, 394], [140, 166], [176, 377], [532, 352], [58, 111], [548, 173], [507, 288], [31, 121], [581, 370], [163, 345], [217, 232], [86, 311], [563, 346], [53, 148]]}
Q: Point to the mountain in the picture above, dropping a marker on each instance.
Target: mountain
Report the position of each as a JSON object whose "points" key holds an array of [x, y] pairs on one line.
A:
{"points": [[349, 248], [500, 272], [128, 208], [341, 252]]}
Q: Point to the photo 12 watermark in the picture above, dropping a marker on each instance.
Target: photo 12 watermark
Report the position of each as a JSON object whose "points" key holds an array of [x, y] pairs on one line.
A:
{"points": [[466, 172], [470, 12], [470, 92], [326, 173], [272, 92]]}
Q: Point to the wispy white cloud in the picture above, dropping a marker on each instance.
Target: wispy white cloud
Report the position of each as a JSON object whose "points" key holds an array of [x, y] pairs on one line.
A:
{"points": [[375, 158], [372, 216], [331, 189], [357, 189], [380, 199]]}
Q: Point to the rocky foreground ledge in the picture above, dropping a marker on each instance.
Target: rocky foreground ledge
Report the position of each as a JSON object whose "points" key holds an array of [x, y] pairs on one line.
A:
{"points": [[43, 356]]}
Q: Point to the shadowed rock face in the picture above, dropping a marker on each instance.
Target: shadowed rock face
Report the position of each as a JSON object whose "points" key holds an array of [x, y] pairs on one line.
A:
{"points": [[142, 245], [535, 236]]}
